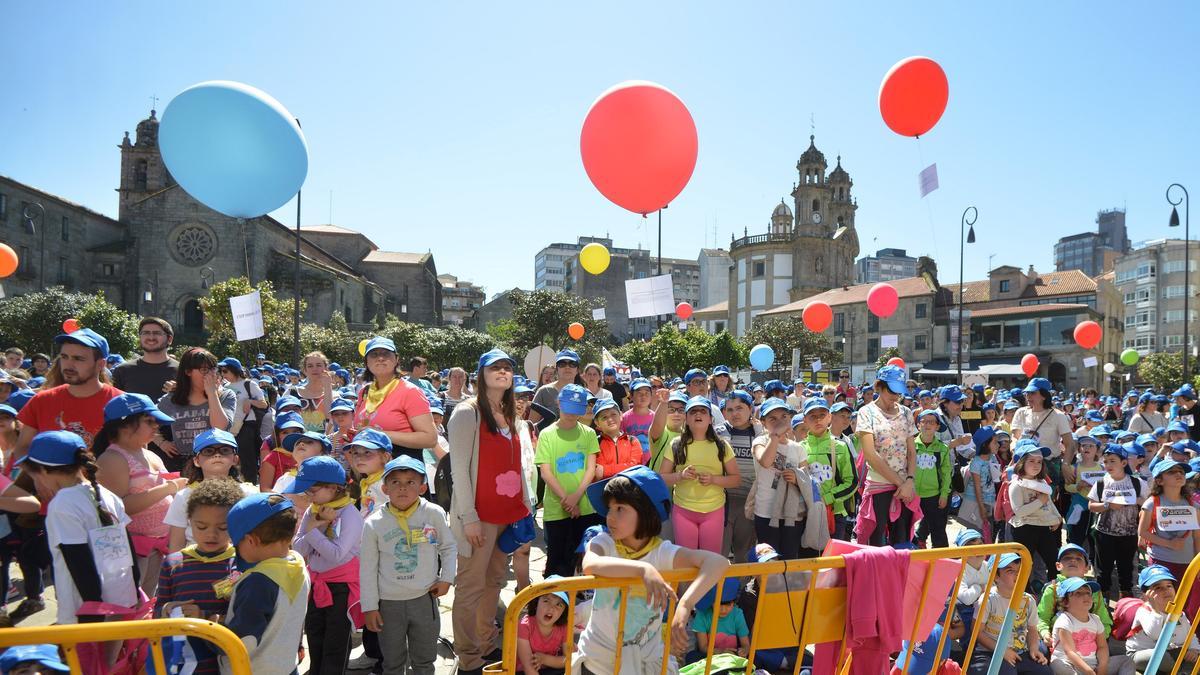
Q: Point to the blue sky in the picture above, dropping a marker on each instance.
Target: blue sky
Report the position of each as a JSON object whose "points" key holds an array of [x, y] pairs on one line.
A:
{"points": [[454, 127]]}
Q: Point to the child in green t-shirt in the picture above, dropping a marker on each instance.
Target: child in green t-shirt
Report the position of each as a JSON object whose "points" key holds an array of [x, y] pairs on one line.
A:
{"points": [[932, 479], [566, 459], [1072, 563], [829, 462]]}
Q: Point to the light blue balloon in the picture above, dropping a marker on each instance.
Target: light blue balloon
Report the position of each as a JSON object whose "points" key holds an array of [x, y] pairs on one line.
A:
{"points": [[233, 147], [762, 357]]}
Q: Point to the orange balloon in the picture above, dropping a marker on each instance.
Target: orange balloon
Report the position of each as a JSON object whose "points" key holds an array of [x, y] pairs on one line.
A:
{"points": [[71, 325], [575, 330], [8, 260]]}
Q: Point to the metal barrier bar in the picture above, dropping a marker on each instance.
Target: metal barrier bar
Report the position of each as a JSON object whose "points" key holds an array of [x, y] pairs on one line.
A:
{"points": [[1174, 611], [762, 571], [153, 630]]}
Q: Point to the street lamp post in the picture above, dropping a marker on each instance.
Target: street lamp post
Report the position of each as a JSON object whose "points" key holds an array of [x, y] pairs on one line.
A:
{"points": [[151, 288], [966, 237], [207, 276], [1187, 272], [29, 227]]}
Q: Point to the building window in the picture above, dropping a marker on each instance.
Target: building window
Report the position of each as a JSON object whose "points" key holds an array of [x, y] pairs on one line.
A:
{"points": [[760, 269], [919, 343], [920, 313], [816, 205], [1146, 271], [109, 269], [986, 335], [1056, 330], [872, 323], [872, 349], [3, 208], [1146, 317], [839, 324], [66, 228], [1004, 285], [63, 265], [1173, 291], [139, 175]]}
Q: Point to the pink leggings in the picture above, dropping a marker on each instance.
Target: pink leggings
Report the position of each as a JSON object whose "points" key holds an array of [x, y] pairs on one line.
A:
{"points": [[698, 530]]}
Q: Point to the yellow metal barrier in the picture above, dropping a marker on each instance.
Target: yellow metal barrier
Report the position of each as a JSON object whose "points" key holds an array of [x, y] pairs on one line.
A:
{"points": [[68, 637], [821, 612], [1174, 610]]}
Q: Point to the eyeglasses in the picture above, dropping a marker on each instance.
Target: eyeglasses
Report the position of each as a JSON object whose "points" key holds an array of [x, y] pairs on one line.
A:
{"points": [[222, 450], [502, 367], [675, 409]]}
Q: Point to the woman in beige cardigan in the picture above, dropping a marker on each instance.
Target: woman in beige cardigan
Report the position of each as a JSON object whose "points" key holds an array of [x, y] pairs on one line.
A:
{"points": [[488, 445]]}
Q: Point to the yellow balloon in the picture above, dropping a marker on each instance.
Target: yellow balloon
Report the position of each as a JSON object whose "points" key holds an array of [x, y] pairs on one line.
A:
{"points": [[594, 258], [362, 347]]}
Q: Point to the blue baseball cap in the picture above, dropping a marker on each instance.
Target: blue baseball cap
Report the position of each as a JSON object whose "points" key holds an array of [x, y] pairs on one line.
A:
{"points": [[113, 360], [740, 395], [566, 355], [260, 356], [340, 404], [640, 383], [1085, 439], [1101, 430], [6, 409], [19, 398], [572, 400], [289, 441], [407, 464], [646, 480], [841, 406], [1186, 391], [1007, 559], [894, 377], [1039, 384], [982, 436], [127, 405], [1153, 574], [229, 362], [771, 405], [319, 469], [372, 439], [45, 655], [588, 535], [1194, 466], [1011, 405], [924, 393], [1146, 438], [1160, 432], [342, 373], [494, 356], [604, 404], [698, 402], [287, 401], [771, 386], [693, 374], [1124, 436], [730, 588], [964, 537], [951, 393], [250, 512], [1134, 449], [54, 448], [1028, 446], [797, 420], [1093, 416], [678, 397], [561, 595], [255, 373], [86, 337], [289, 420], [1146, 398], [1114, 449], [1069, 586], [1072, 547], [523, 388], [721, 370], [1177, 426], [379, 342], [211, 437], [754, 387], [815, 403], [1166, 465]]}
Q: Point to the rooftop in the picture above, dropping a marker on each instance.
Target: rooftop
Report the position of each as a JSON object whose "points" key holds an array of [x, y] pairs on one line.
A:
{"points": [[1050, 308], [848, 295], [396, 258], [1069, 282]]}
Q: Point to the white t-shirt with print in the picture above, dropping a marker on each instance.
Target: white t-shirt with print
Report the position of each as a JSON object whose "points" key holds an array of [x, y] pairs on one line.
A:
{"points": [[1151, 624], [788, 454], [1046, 427], [69, 518], [891, 434], [1088, 635]]}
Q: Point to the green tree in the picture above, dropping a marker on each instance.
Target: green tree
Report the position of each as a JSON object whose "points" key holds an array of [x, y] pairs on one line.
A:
{"points": [[451, 346], [277, 341], [1164, 370], [637, 353], [785, 334], [503, 332], [32, 320], [541, 317], [726, 350], [885, 356]]}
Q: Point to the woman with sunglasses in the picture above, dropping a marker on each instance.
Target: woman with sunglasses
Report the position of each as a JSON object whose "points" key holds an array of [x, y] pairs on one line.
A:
{"points": [[566, 370]]}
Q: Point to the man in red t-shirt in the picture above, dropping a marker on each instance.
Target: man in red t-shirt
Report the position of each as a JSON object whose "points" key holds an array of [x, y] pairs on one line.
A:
{"points": [[78, 405]]}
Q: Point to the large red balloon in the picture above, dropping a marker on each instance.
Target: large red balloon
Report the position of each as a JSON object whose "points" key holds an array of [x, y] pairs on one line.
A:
{"points": [[913, 95], [883, 300], [1029, 365], [684, 310], [898, 362], [639, 145], [1088, 334], [817, 316]]}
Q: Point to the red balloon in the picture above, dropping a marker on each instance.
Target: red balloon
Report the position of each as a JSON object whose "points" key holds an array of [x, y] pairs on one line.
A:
{"points": [[1088, 334], [896, 361], [684, 310], [882, 300], [1029, 365], [913, 95], [71, 325], [8, 260], [639, 145], [817, 316]]}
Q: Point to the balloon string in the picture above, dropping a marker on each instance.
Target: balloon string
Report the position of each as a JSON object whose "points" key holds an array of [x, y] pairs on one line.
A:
{"points": [[928, 206]]}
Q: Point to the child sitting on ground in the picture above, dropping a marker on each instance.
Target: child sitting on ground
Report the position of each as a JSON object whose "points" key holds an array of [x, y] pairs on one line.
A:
{"points": [[32, 660], [1080, 639], [1072, 564], [542, 633], [733, 634], [1158, 589], [1023, 653]]}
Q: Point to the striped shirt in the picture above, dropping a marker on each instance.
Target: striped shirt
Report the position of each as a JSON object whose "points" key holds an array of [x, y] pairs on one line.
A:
{"points": [[192, 581]]}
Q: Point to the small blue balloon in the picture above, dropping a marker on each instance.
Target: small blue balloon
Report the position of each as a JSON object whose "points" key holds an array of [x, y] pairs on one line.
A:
{"points": [[762, 357], [233, 147]]}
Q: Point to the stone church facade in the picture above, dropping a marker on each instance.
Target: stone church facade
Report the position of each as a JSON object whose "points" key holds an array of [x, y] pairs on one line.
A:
{"points": [[808, 248], [164, 249]]}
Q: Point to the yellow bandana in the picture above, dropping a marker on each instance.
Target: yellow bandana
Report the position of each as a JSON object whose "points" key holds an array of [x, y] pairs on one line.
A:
{"points": [[336, 505], [375, 395], [402, 516], [287, 573], [195, 554], [630, 554]]}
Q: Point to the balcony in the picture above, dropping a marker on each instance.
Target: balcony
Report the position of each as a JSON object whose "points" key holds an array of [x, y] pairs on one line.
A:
{"points": [[761, 239]]}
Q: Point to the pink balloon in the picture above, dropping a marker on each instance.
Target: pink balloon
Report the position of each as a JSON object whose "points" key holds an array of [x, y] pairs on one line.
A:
{"points": [[883, 300]]}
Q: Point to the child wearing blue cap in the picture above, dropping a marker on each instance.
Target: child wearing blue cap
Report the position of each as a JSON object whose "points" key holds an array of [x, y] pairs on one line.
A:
{"points": [[637, 420], [1072, 564], [701, 466], [667, 424], [279, 462], [1036, 522], [408, 559], [1158, 590], [32, 660], [634, 505], [831, 467], [931, 479], [215, 457], [341, 415], [328, 539], [1023, 653], [566, 459], [369, 453], [542, 634], [197, 582], [1116, 498], [128, 468], [1168, 523], [618, 451], [733, 633], [81, 514], [1087, 470], [1080, 639]]}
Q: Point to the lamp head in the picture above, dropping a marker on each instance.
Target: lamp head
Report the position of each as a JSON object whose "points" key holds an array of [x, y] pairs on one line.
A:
{"points": [[1174, 222]]}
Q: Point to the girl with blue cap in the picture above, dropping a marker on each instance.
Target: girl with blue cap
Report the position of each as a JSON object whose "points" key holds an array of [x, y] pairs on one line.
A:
{"points": [[700, 468], [1169, 525]]}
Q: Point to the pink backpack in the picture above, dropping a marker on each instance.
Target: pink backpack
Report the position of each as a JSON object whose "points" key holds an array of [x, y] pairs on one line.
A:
{"points": [[1122, 617]]}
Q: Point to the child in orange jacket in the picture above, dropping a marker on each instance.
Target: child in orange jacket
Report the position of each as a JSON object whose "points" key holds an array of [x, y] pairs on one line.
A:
{"points": [[618, 450]]}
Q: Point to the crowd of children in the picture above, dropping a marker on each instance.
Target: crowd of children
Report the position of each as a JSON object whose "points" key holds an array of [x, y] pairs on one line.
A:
{"points": [[341, 533]]}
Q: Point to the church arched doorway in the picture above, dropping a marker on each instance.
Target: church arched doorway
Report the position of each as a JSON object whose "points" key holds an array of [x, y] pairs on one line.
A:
{"points": [[193, 317]]}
